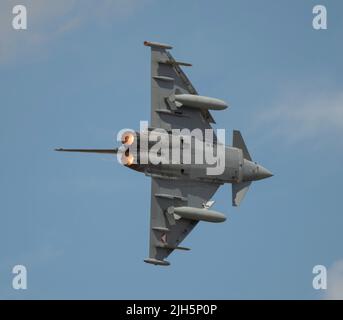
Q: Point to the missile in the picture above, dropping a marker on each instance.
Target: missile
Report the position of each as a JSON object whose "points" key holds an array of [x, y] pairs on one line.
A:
{"points": [[200, 102], [197, 214]]}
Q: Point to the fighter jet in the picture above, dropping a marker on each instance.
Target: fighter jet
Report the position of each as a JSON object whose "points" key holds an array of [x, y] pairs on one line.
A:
{"points": [[181, 193]]}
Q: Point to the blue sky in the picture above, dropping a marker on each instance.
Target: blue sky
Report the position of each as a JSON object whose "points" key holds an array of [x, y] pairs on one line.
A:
{"points": [[80, 73]]}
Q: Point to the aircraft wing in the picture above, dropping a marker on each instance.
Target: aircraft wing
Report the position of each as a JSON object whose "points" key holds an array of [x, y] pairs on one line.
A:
{"points": [[166, 233], [167, 78]]}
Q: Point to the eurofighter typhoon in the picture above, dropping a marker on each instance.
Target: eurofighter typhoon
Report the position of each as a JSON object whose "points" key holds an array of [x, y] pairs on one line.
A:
{"points": [[185, 159]]}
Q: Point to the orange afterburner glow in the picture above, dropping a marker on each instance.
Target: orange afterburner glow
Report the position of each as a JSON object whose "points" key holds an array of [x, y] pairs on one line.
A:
{"points": [[128, 138], [127, 160]]}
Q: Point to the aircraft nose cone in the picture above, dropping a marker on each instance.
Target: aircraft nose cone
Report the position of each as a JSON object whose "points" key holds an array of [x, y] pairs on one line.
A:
{"points": [[263, 173]]}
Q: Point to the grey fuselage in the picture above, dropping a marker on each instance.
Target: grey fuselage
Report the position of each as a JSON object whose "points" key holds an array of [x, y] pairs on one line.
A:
{"points": [[236, 169]]}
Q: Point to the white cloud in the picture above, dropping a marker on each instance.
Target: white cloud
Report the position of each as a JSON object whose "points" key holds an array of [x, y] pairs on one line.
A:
{"points": [[335, 282], [49, 19], [296, 118]]}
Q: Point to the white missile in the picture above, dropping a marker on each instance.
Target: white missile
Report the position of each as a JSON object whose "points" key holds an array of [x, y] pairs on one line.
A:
{"points": [[200, 102], [198, 214]]}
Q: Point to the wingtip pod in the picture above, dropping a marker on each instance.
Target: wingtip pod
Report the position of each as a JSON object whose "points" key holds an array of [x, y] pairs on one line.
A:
{"points": [[157, 262], [157, 44]]}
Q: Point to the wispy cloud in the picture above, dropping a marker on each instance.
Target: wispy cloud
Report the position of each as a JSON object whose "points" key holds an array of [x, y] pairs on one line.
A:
{"points": [[296, 119], [335, 282], [50, 19]]}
